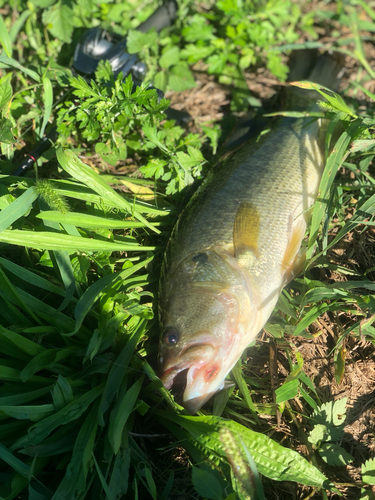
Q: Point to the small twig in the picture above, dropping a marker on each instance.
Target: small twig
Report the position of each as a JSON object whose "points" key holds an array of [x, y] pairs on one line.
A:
{"points": [[135, 434], [274, 378]]}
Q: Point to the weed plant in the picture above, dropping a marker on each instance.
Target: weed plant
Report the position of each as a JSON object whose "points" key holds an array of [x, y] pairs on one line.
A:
{"points": [[82, 413]]}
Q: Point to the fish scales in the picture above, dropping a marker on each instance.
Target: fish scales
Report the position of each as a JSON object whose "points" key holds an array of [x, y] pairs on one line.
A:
{"points": [[286, 166], [233, 249]]}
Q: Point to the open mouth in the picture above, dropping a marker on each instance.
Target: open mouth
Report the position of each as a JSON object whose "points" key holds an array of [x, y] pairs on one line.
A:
{"points": [[179, 385], [194, 355], [175, 378]]}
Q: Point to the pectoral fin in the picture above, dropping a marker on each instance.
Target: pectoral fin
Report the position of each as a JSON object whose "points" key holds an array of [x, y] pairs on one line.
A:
{"points": [[246, 231], [295, 257]]}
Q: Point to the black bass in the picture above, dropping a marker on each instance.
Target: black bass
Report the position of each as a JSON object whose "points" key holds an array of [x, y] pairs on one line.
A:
{"points": [[237, 244]]}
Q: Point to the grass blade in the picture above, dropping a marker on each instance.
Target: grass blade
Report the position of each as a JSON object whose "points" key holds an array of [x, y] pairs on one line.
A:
{"points": [[70, 412], [4, 38], [17, 208], [118, 370], [30, 277], [22, 343], [334, 162], [14, 462], [90, 221], [120, 414], [17, 25], [77, 169], [8, 61], [72, 244], [48, 103], [103, 482], [91, 295]]}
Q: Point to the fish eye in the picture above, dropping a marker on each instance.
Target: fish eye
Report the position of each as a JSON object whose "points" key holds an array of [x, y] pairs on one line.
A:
{"points": [[171, 335]]}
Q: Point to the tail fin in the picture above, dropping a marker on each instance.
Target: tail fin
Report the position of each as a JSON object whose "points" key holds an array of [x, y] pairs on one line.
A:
{"points": [[327, 71], [324, 69]]}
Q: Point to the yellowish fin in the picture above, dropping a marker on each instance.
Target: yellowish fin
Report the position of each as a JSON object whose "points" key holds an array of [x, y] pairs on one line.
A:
{"points": [[294, 258], [246, 232]]}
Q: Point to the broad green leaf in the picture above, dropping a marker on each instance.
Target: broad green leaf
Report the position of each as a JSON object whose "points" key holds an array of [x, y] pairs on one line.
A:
{"points": [[43, 4], [368, 472], [318, 434], [334, 454], [362, 145], [85, 174], [43, 310], [180, 78], [137, 41], [6, 135], [170, 57], [59, 21], [287, 391], [17, 208], [4, 38], [38, 491], [245, 475], [206, 484], [321, 293], [331, 413], [307, 398], [272, 460], [161, 80]]}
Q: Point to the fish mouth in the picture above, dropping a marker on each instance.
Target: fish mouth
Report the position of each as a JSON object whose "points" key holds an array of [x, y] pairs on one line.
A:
{"points": [[192, 356]]}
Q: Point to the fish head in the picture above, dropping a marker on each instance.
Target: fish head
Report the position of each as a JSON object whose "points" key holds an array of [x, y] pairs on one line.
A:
{"points": [[204, 323]]}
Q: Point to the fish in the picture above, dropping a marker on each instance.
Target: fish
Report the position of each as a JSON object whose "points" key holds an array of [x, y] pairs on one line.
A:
{"points": [[238, 243]]}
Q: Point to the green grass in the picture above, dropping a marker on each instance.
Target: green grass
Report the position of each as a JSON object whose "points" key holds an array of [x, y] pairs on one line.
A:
{"points": [[82, 412]]}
